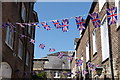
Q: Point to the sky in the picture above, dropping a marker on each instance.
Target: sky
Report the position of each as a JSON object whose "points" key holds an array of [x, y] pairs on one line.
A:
{"points": [[55, 38]]}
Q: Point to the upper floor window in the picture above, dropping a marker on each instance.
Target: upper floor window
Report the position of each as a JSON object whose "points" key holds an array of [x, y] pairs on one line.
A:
{"points": [[20, 49], [87, 51], [101, 4], [23, 12], [94, 41], [117, 4], [104, 39], [9, 37], [27, 58]]}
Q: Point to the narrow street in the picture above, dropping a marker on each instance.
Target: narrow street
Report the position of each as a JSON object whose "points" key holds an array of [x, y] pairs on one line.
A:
{"points": [[60, 40]]}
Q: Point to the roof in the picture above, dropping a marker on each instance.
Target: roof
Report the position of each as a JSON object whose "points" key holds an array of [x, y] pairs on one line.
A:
{"points": [[41, 59], [56, 54]]}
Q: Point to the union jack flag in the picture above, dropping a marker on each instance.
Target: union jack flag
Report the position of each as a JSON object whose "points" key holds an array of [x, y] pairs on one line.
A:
{"points": [[69, 73], [42, 46], [95, 19], [77, 72], [60, 55], [92, 69], [98, 65], [91, 65], [70, 58], [46, 26], [21, 36], [79, 62], [112, 15], [56, 23], [20, 24], [36, 25], [80, 23], [51, 50], [84, 72], [32, 41], [65, 25], [65, 74]]}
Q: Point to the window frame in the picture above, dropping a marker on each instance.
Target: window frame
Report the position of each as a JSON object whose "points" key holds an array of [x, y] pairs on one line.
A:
{"points": [[27, 58], [9, 38], [23, 11], [104, 19], [117, 4], [21, 52], [94, 37], [87, 51]]}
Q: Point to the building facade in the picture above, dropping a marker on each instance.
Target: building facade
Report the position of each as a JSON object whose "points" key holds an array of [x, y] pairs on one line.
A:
{"points": [[100, 45], [17, 52], [54, 67]]}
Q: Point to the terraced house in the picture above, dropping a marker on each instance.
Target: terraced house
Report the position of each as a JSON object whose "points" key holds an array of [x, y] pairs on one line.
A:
{"points": [[100, 45], [16, 52]]}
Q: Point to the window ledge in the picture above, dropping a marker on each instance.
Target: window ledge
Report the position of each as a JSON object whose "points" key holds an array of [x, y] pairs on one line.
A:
{"points": [[94, 54], [118, 28], [9, 45], [19, 57]]}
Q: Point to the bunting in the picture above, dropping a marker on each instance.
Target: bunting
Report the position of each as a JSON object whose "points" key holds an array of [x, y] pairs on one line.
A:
{"points": [[46, 26], [32, 41], [70, 58], [79, 62], [65, 25], [51, 50], [95, 19], [56, 23], [112, 15], [60, 55], [42, 46], [80, 23]]}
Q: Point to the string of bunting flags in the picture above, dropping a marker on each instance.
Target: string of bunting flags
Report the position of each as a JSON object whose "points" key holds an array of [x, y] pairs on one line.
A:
{"points": [[80, 22], [111, 16]]}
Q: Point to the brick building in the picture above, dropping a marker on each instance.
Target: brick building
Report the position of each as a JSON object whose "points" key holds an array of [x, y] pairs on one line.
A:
{"points": [[17, 53], [53, 66], [100, 45]]}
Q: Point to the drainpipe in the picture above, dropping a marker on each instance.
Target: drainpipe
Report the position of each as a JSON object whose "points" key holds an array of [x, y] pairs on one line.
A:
{"points": [[90, 75], [110, 47]]}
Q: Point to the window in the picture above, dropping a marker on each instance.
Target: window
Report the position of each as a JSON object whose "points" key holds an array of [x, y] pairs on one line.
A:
{"points": [[69, 76], [87, 51], [101, 3], [9, 37], [104, 39], [117, 4], [20, 49], [94, 42], [27, 58], [23, 12], [29, 29], [56, 74]]}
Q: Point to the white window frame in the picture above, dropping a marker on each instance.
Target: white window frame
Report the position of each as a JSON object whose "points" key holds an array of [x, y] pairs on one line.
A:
{"points": [[87, 51], [94, 41], [9, 37], [56, 74], [101, 4], [20, 49], [104, 42], [117, 4], [69, 76], [23, 12], [27, 58]]}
